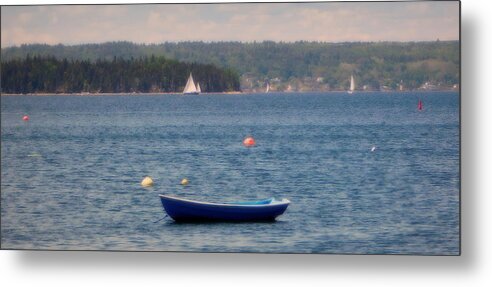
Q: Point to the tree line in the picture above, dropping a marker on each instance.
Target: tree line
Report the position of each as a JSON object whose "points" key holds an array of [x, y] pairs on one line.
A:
{"points": [[375, 64], [47, 74]]}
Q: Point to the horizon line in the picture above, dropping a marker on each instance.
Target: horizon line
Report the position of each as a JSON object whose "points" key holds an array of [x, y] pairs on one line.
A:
{"points": [[229, 41]]}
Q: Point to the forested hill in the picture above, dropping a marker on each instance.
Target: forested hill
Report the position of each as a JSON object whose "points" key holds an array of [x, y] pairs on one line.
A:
{"points": [[43, 74], [291, 66]]}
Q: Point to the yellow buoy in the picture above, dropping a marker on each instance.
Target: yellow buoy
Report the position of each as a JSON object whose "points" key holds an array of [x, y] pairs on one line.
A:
{"points": [[184, 181], [147, 181]]}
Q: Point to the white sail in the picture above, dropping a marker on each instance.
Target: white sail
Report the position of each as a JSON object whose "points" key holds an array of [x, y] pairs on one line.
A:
{"points": [[198, 89], [190, 87], [267, 88], [352, 84]]}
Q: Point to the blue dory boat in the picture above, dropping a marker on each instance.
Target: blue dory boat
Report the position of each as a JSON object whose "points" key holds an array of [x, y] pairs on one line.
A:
{"points": [[184, 210]]}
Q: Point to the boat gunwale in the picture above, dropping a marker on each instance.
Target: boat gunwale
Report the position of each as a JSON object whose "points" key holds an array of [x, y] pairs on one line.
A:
{"points": [[273, 203]]}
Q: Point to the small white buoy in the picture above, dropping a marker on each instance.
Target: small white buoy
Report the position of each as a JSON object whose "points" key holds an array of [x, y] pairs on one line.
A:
{"points": [[147, 181], [34, 154], [184, 181], [373, 148]]}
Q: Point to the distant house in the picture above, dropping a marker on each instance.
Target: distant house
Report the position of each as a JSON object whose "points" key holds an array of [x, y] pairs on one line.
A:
{"points": [[428, 86]]}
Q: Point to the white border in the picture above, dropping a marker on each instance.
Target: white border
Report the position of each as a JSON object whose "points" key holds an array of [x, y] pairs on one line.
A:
{"points": [[473, 268]]}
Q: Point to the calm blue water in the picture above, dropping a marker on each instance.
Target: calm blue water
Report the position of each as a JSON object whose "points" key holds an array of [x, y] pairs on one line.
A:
{"points": [[70, 177]]}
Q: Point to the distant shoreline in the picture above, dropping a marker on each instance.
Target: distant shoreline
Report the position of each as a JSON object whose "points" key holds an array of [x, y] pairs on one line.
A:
{"points": [[218, 93], [110, 94]]}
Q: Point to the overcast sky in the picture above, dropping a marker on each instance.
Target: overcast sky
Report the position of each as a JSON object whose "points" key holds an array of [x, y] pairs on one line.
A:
{"points": [[156, 23]]}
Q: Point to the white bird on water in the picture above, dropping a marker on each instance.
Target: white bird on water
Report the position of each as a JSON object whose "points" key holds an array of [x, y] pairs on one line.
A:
{"points": [[373, 148]]}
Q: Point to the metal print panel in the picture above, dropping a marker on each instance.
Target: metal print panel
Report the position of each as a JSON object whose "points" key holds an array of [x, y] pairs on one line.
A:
{"points": [[326, 127]]}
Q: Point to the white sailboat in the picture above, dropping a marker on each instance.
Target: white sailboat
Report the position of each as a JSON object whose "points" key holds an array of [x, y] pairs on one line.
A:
{"points": [[352, 84], [190, 88], [198, 89], [267, 88]]}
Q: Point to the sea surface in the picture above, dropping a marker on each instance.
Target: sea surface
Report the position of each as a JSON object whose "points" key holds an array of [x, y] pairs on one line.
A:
{"points": [[70, 176]]}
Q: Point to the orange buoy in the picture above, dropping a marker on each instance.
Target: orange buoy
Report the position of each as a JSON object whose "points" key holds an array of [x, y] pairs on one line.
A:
{"points": [[25, 118], [249, 141]]}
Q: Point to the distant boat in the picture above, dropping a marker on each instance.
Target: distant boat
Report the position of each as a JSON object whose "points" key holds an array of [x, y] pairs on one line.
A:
{"points": [[352, 85], [420, 106], [267, 88], [184, 210], [190, 88], [198, 89]]}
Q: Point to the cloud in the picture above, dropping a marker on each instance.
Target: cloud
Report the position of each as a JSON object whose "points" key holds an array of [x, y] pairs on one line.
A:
{"points": [[334, 22], [25, 18], [18, 35]]}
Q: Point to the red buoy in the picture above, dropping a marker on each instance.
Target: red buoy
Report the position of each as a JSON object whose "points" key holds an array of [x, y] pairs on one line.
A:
{"points": [[25, 118], [249, 141], [420, 106]]}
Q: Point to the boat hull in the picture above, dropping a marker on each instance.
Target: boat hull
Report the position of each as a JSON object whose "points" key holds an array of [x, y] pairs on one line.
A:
{"points": [[182, 210]]}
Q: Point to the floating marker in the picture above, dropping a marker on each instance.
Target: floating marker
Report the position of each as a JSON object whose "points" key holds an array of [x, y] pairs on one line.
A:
{"points": [[184, 181], [34, 154], [147, 181], [249, 142], [420, 106], [25, 118]]}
